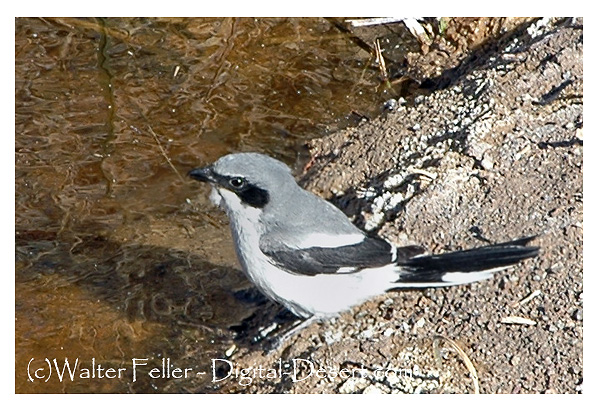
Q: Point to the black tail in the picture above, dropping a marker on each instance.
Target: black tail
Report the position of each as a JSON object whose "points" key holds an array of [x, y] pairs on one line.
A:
{"points": [[466, 266]]}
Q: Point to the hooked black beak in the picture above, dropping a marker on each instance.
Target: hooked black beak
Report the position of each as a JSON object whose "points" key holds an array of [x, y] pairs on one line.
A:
{"points": [[202, 174]]}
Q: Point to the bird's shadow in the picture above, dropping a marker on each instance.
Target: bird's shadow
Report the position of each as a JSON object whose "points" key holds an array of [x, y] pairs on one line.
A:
{"points": [[153, 284]]}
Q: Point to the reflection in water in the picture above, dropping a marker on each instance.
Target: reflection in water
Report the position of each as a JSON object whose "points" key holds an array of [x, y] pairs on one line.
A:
{"points": [[113, 261]]}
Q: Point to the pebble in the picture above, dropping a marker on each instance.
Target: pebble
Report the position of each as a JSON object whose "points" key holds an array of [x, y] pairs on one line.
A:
{"points": [[367, 334], [390, 104], [353, 384], [372, 389], [487, 163]]}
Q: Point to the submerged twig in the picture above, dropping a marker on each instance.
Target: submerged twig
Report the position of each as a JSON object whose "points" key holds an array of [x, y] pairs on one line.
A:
{"points": [[380, 60], [168, 160]]}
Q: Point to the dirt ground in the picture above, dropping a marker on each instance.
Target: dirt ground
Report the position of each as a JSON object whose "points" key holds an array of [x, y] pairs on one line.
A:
{"points": [[492, 155]]}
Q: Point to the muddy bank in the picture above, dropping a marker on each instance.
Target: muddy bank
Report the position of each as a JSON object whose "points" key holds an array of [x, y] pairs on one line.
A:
{"points": [[493, 155]]}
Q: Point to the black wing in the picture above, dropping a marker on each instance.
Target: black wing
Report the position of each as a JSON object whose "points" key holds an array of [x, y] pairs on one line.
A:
{"points": [[371, 252]]}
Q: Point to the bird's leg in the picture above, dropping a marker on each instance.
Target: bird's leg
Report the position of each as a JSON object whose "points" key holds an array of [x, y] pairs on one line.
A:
{"points": [[275, 342]]}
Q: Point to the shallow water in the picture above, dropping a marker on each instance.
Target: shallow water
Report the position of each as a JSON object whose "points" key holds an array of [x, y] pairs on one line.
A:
{"points": [[118, 256]]}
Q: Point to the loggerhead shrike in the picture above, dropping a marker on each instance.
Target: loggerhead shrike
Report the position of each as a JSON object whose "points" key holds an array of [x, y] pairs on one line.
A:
{"points": [[304, 253]]}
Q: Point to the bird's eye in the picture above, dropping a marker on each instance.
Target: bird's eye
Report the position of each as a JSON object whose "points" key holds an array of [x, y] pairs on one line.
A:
{"points": [[237, 182]]}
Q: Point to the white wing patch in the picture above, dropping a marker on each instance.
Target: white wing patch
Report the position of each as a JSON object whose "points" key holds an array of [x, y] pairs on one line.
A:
{"points": [[346, 270], [329, 240]]}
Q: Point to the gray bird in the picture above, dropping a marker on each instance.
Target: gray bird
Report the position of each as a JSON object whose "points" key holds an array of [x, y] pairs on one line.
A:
{"points": [[304, 253]]}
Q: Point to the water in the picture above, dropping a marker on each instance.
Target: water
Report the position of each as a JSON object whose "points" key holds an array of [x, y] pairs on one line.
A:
{"points": [[118, 255]]}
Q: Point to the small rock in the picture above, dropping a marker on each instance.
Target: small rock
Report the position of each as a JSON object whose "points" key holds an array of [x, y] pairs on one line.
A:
{"points": [[487, 163], [353, 384], [231, 350], [367, 334], [372, 389], [390, 104]]}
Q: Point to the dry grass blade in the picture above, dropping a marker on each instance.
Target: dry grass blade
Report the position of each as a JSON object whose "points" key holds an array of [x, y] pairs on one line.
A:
{"points": [[422, 172], [462, 355], [518, 320], [527, 299], [374, 21]]}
